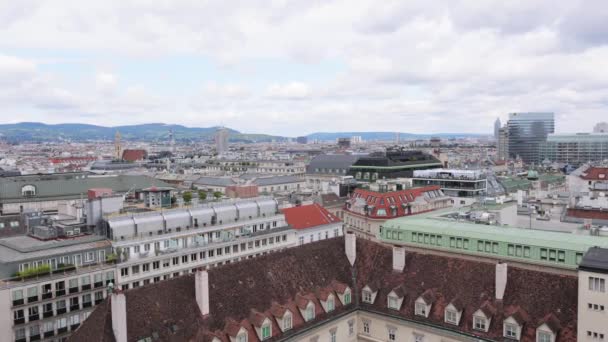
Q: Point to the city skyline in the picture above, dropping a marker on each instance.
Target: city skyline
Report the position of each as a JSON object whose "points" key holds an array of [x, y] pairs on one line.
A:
{"points": [[298, 67]]}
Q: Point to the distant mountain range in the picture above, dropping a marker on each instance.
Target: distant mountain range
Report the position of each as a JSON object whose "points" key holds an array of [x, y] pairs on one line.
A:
{"points": [[40, 132], [385, 136]]}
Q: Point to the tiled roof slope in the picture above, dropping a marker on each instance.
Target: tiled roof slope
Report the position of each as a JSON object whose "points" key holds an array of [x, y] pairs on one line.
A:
{"points": [[596, 173], [308, 216], [398, 199], [241, 290]]}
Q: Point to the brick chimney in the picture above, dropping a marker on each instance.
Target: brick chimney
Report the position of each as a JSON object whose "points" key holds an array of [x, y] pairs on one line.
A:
{"points": [[398, 259], [350, 246], [118, 303], [501, 280], [201, 283]]}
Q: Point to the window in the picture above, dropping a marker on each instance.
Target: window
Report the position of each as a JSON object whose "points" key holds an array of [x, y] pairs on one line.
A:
{"points": [[310, 312], [393, 302], [543, 336], [597, 284], [89, 257], [156, 265], [287, 322], [146, 267], [479, 323], [511, 330], [346, 297], [418, 338], [367, 297], [331, 305], [420, 309], [392, 334], [242, 337], [351, 327], [266, 331], [451, 317], [332, 336], [366, 327]]}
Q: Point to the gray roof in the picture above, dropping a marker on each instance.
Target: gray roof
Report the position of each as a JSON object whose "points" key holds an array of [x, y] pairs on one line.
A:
{"points": [[595, 260], [215, 181], [70, 185], [21, 248], [278, 180], [331, 161]]}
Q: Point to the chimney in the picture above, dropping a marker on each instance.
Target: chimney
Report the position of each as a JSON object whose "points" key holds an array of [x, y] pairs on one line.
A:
{"points": [[350, 246], [501, 280], [398, 258], [201, 282], [118, 303]]}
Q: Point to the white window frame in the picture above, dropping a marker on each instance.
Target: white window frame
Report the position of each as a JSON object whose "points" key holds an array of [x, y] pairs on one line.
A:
{"points": [[544, 336], [393, 302], [597, 284], [449, 319], [483, 322], [242, 337], [392, 334], [367, 296], [287, 322], [511, 328], [420, 309]]}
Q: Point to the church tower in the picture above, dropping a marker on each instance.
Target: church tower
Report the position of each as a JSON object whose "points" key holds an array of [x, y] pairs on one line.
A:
{"points": [[117, 147]]}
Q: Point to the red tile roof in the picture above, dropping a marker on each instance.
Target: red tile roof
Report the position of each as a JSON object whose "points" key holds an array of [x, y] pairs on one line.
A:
{"points": [[261, 283], [134, 155], [596, 173], [309, 216], [587, 213], [386, 200]]}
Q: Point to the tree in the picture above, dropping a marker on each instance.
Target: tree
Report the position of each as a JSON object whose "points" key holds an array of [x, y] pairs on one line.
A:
{"points": [[217, 195], [202, 195], [187, 196]]}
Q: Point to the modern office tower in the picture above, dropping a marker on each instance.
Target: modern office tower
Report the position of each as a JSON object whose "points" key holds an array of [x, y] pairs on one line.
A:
{"points": [[497, 127], [575, 149], [503, 143], [601, 127], [454, 183], [526, 132], [221, 140]]}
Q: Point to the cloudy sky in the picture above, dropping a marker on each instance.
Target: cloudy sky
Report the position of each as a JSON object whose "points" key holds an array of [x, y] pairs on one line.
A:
{"points": [[294, 67]]}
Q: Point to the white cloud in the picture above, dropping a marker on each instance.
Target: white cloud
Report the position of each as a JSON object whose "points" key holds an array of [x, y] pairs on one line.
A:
{"points": [[291, 90]]}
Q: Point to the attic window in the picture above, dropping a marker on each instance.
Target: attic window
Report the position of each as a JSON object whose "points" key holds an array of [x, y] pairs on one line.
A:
{"points": [[451, 316], [420, 309], [511, 331], [367, 297], [242, 337], [544, 336], [266, 331], [331, 305], [287, 323], [347, 297], [28, 190], [480, 323], [393, 302], [310, 312]]}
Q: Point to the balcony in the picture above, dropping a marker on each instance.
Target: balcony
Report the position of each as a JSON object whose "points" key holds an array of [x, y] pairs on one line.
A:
{"points": [[20, 339], [17, 302], [59, 293], [49, 334], [74, 307], [32, 299], [74, 326], [73, 289], [47, 295], [62, 330], [86, 305], [98, 284], [34, 318], [61, 311], [47, 314], [35, 337], [17, 321], [86, 287]]}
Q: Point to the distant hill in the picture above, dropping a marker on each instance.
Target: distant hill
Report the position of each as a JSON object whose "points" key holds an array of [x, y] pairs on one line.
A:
{"points": [[385, 136], [40, 132]]}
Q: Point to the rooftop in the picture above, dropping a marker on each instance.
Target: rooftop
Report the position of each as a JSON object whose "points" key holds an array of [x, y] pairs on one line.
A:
{"points": [[309, 216], [596, 260]]}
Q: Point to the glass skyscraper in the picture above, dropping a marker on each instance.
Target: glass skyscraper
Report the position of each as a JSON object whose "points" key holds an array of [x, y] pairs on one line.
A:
{"points": [[526, 132]]}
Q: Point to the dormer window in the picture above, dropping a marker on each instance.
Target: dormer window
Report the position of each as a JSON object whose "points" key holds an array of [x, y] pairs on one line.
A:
{"points": [[331, 305], [28, 190], [242, 337], [480, 323], [393, 302], [451, 316], [310, 312], [266, 331], [287, 323], [511, 331], [420, 309], [347, 297], [544, 336], [367, 297]]}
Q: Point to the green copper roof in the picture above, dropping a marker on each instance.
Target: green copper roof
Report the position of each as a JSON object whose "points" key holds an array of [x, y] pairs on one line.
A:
{"points": [[429, 223]]}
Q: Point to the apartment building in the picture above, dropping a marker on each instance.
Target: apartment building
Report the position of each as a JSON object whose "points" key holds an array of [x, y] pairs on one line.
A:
{"points": [[313, 223], [156, 246], [49, 287]]}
